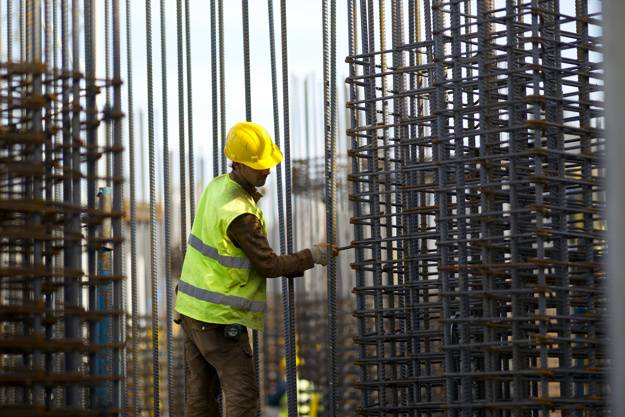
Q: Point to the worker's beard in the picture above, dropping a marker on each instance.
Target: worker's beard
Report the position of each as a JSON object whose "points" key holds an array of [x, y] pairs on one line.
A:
{"points": [[260, 181]]}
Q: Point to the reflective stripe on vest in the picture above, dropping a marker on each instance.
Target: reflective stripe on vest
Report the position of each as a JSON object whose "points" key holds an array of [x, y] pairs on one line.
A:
{"points": [[217, 298], [210, 252]]}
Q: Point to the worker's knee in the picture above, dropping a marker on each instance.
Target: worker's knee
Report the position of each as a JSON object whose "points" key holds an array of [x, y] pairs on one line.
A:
{"points": [[240, 384], [242, 395], [242, 404]]}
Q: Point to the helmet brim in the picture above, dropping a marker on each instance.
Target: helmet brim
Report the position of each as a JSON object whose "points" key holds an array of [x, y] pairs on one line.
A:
{"points": [[273, 159]]}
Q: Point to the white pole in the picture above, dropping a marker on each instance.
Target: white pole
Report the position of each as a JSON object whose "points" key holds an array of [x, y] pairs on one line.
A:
{"points": [[614, 15]]}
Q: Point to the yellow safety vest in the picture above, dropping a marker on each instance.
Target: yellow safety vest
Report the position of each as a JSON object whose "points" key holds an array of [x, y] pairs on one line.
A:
{"points": [[217, 282]]}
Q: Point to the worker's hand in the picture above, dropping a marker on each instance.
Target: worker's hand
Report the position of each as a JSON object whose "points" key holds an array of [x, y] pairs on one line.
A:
{"points": [[320, 253]]}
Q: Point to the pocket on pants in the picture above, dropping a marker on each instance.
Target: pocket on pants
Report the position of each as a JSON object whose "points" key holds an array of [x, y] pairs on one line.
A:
{"points": [[204, 335], [237, 345]]}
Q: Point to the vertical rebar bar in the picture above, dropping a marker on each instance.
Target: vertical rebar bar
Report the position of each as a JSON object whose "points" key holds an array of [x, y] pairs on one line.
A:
{"points": [[288, 286], [187, 26], [222, 84], [181, 130], [73, 295], [246, 60], [37, 189], [352, 23], [50, 80], [153, 232], [108, 138], [134, 331], [248, 117], [329, 93], [215, 87], [118, 321], [169, 302]]}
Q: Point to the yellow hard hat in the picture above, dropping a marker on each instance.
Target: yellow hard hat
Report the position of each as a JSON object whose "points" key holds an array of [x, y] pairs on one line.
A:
{"points": [[250, 144]]}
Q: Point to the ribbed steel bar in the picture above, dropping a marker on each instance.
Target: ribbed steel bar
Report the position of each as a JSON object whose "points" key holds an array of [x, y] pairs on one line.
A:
{"points": [[442, 196], [288, 286], [21, 38], [156, 407], [36, 116], [181, 130], [246, 59], [397, 324], [50, 187], [355, 119], [248, 117], [72, 296], [411, 224], [214, 89], [169, 299], [372, 205], [276, 127], [68, 254], [2, 43], [10, 393], [187, 38], [458, 148], [134, 323], [329, 93], [107, 73], [118, 320], [222, 84], [59, 185], [279, 188], [487, 203], [583, 55], [27, 36], [332, 232], [9, 40]]}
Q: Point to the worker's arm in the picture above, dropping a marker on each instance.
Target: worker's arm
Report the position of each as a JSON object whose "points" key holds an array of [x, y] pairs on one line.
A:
{"points": [[245, 231]]}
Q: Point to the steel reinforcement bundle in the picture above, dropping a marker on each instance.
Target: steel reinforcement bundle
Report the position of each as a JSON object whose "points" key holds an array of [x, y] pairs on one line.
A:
{"points": [[62, 325], [478, 198]]}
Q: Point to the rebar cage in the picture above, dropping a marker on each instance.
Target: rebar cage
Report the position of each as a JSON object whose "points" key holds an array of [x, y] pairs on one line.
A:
{"points": [[478, 207], [62, 322]]}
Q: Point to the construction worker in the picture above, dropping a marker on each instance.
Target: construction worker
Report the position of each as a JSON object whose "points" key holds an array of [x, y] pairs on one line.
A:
{"points": [[222, 284]]}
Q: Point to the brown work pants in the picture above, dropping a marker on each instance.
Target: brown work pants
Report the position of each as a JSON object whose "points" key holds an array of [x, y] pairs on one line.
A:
{"points": [[215, 362]]}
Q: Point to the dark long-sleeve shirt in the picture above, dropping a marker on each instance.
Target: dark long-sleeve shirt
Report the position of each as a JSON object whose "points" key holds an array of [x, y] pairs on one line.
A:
{"points": [[246, 232]]}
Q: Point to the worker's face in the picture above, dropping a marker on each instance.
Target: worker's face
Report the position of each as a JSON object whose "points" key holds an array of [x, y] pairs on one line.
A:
{"points": [[255, 177]]}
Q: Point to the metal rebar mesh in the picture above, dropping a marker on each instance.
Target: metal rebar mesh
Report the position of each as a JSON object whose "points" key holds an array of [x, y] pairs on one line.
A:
{"points": [[57, 345], [477, 182], [61, 342]]}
